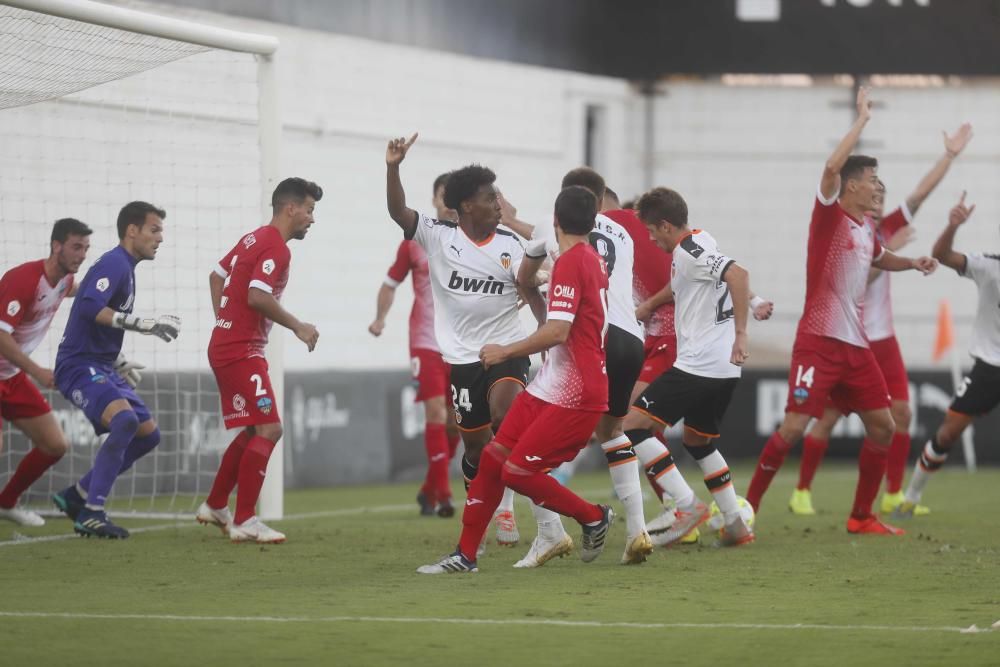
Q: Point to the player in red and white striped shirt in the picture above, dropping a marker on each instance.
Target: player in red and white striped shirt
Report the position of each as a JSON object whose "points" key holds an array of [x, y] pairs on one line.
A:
{"points": [[430, 371], [892, 231], [30, 295], [831, 358]]}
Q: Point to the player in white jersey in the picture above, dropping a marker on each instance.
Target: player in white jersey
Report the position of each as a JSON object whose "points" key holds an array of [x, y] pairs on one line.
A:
{"points": [[979, 392], [30, 295], [893, 231], [624, 358], [473, 269], [711, 295]]}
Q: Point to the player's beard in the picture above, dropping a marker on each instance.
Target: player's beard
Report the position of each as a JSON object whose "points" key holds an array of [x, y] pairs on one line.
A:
{"points": [[65, 265]]}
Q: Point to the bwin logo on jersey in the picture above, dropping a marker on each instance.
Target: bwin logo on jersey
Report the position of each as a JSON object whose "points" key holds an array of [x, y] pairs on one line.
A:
{"points": [[489, 285]]}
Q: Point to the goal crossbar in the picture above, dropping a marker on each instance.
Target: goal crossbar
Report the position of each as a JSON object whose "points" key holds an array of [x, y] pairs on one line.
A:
{"points": [[153, 25]]}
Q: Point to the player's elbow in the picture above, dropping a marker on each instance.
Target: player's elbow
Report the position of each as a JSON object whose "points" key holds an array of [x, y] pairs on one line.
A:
{"points": [[560, 332], [256, 298], [737, 275]]}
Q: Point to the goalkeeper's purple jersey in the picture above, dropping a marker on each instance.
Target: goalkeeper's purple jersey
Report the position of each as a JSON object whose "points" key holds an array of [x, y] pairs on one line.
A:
{"points": [[110, 283]]}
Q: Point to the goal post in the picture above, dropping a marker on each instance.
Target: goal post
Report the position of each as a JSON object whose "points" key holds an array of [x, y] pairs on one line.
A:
{"points": [[140, 87]]}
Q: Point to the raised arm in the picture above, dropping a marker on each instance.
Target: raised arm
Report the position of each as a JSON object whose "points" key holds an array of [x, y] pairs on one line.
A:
{"points": [[953, 147], [508, 218], [829, 184], [395, 197], [738, 280], [943, 250]]}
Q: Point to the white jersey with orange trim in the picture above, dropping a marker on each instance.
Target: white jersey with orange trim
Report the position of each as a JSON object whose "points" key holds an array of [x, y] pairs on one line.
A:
{"points": [[984, 270], [475, 295], [27, 305], [703, 308], [615, 246]]}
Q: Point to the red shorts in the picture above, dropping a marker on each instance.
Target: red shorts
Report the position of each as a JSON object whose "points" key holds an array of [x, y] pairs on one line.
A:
{"points": [[20, 399], [890, 360], [431, 373], [661, 353], [829, 370], [541, 435], [246, 394]]}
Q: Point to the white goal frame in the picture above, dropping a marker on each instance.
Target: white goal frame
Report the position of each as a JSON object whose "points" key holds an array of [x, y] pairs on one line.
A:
{"points": [[264, 48]]}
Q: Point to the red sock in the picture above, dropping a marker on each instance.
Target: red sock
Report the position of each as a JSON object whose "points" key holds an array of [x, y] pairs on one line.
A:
{"points": [[813, 451], [32, 466], [895, 467], [767, 467], [453, 440], [229, 468], [871, 468], [488, 490], [550, 494], [436, 482], [253, 467]]}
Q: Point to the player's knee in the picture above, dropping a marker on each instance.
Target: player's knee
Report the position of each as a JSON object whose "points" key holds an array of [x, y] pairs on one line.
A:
{"points": [[902, 416], [435, 411], [152, 438], [272, 432], [881, 430], [125, 423], [55, 446]]}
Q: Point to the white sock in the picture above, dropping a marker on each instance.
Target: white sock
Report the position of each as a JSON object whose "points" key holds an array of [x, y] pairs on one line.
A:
{"points": [[927, 465], [670, 480], [712, 466], [550, 525], [628, 488], [507, 502]]}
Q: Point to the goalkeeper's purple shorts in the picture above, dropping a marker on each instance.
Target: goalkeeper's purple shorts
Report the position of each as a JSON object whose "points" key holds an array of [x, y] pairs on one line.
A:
{"points": [[92, 387]]}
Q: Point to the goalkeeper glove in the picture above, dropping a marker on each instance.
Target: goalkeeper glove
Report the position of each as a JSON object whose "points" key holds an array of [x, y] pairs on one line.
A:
{"points": [[128, 370], [165, 326]]}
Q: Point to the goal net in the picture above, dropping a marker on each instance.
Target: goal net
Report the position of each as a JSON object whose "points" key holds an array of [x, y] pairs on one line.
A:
{"points": [[92, 117]]}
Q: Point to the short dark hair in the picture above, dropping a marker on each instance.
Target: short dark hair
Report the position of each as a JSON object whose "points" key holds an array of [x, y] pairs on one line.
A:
{"points": [[576, 207], [440, 182], [628, 204], [296, 190], [611, 194], [586, 177], [854, 167], [662, 204], [134, 213], [67, 227], [464, 183]]}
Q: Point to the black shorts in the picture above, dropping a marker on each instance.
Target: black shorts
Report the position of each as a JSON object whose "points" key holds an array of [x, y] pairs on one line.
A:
{"points": [[979, 392], [700, 401], [471, 385], [625, 356]]}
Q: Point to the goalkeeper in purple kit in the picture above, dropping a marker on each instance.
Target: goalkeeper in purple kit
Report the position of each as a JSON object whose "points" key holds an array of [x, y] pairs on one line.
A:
{"points": [[92, 373]]}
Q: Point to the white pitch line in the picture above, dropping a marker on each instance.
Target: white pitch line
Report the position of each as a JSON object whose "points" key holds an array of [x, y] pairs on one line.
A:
{"points": [[489, 621], [191, 524]]}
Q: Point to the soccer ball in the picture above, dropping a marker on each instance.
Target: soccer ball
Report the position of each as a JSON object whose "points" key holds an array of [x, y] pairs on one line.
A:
{"points": [[716, 522]]}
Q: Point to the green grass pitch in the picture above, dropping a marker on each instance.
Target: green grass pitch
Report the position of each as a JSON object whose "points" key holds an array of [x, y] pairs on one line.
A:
{"points": [[343, 591]]}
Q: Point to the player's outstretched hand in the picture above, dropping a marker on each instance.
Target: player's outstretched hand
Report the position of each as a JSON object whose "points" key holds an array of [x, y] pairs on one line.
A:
{"points": [[960, 213], [491, 355], [128, 370], [395, 152], [741, 350], [308, 334], [166, 327], [956, 143], [45, 377], [864, 104], [925, 265], [376, 328], [763, 311]]}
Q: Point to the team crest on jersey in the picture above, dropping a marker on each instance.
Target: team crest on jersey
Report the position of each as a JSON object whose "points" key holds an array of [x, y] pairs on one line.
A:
{"points": [[505, 260], [268, 266], [248, 241], [13, 308], [103, 284], [78, 398], [239, 403], [98, 378], [801, 394], [264, 404]]}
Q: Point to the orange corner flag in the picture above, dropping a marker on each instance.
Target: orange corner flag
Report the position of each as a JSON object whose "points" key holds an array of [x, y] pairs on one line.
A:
{"points": [[945, 331]]}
